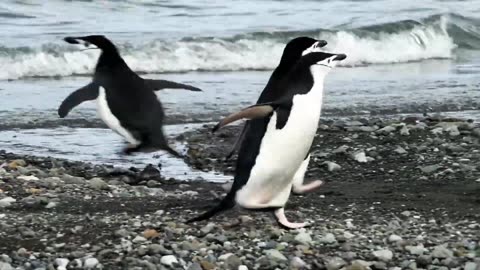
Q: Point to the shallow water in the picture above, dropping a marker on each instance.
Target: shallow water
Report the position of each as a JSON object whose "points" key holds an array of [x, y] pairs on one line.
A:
{"points": [[403, 58], [101, 146]]}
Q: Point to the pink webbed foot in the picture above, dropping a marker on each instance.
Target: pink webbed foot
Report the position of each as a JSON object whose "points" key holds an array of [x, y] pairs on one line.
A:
{"points": [[283, 221], [301, 189]]}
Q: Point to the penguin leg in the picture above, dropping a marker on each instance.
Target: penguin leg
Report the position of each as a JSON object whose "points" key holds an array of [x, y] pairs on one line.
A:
{"points": [[146, 148], [298, 178], [283, 221], [157, 141], [164, 84], [297, 190]]}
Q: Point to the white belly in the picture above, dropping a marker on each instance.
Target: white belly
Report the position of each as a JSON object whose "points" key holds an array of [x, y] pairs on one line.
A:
{"points": [[282, 152], [110, 120]]}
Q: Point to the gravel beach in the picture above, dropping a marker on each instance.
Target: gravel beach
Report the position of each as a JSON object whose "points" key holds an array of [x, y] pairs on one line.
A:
{"points": [[399, 193]]}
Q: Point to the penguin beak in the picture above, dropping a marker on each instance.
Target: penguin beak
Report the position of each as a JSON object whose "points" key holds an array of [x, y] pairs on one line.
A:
{"points": [[80, 41], [72, 40], [321, 43], [340, 57]]}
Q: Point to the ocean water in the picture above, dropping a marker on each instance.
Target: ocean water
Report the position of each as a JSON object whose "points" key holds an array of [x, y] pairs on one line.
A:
{"points": [[403, 57]]}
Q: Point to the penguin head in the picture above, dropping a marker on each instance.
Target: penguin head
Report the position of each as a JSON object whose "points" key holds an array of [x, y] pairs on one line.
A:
{"points": [[92, 42], [299, 47], [321, 62]]}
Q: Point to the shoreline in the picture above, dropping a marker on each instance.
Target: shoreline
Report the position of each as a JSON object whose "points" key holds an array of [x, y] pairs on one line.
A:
{"points": [[413, 204]]}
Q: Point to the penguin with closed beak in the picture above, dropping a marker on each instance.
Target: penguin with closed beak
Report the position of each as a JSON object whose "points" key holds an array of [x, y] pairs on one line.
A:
{"points": [[126, 102]]}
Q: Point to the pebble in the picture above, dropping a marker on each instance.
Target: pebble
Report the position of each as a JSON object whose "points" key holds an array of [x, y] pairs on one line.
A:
{"points": [[335, 263], [139, 239], [471, 266], [430, 168], [400, 150], [206, 265], [404, 131], [72, 180], [98, 184], [416, 250], [28, 178], [168, 260], [298, 263], [383, 254], [150, 233], [360, 157], [6, 202], [17, 163], [340, 149], [442, 252], [156, 248], [242, 267], [195, 266], [386, 130], [61, 263], [332, 166], [275, 255], [329, 238], [5, 266], [303, 238], [423, 260], [207, 228], [348, 235], [91, 263], [233, 262], [394, 238], [51, 205]]}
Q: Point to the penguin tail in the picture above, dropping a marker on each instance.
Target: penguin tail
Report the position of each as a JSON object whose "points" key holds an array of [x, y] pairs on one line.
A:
{"points": [[227, 203]]}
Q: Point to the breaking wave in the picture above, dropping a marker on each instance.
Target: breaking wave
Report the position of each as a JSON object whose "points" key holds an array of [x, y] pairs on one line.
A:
{"points": [[404, 41]]}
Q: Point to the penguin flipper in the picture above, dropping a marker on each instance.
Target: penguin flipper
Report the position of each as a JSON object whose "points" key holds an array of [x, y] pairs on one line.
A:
{"points": [[88, 92], [252, 112], [164, 84]]}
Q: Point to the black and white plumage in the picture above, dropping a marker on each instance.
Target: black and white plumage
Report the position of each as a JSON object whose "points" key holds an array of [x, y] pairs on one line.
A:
{"points": [[292, 52], [125, 101], [278, 139]]}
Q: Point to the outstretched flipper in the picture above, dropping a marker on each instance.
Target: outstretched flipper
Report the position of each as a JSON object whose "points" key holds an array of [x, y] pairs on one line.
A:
{"points": [[252, 112], [88, 92], [164, 84]]}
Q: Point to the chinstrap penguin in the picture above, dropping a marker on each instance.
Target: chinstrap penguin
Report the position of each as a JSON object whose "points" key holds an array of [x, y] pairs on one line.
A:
{"points": [[125, 101], [292, 52], [278, 139]]}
